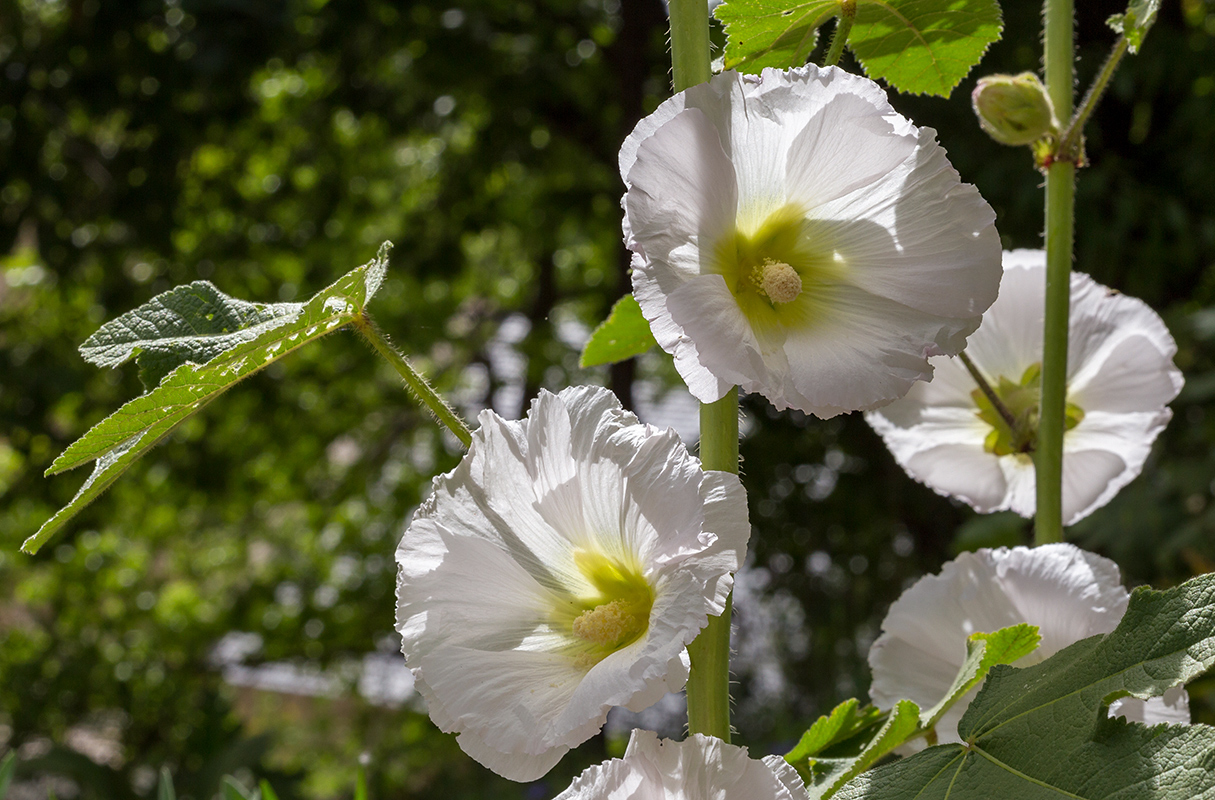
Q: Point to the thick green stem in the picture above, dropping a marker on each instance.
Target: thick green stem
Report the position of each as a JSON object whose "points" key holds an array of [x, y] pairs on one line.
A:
{"points": [[709, 681], [1060, 197], [1059, 57], [1069, 142], [843, 26], [422, 390], [690, 62]]}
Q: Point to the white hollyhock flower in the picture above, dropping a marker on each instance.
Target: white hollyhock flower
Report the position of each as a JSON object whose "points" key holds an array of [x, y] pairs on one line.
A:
{"points": [[1120, 376], [1069, 593], [558, 571], [793, 235], [698, 768]]}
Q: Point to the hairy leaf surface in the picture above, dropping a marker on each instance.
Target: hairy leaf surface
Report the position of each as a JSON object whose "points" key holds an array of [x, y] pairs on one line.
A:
{"points": [[844, 744], [195, 323], [120, 439], [1135, 23], [1044, 731]]}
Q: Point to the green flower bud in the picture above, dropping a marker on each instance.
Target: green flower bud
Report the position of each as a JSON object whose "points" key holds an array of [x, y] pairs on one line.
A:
{"points": [[1014, 109]]}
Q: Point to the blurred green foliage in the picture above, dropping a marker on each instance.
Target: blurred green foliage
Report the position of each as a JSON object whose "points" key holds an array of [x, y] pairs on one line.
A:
{"points": [[267, 146]]}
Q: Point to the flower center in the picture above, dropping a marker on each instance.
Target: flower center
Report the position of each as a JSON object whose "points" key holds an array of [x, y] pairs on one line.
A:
{"points": [[612, 623], [779, 281], [781, 271], [615, 615], [1020, 399]]}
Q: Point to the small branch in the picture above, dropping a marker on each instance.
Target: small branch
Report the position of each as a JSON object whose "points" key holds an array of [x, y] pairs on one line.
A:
{"points": [[843, 27], [1069, 141], [990, 393], [417, 385]]}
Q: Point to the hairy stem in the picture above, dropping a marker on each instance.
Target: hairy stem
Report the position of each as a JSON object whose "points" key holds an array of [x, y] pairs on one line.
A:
{"points": [[690, 62], [843, 26], [709, 680], [1060, 210], [1069, 142], [417, 385]]}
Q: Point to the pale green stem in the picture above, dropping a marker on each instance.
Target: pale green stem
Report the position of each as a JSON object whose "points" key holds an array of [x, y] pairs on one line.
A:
{"points": [[1060, 196], [1069, 142], [843, 26], [709, 680], [990, 393], [690, 62], [418, 385]]}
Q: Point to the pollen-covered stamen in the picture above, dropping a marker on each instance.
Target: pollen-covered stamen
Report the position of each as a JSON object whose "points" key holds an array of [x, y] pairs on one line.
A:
{"points": [[611, 624], [779, 281]]}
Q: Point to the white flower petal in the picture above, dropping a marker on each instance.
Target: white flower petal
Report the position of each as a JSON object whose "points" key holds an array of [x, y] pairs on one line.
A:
{"points": [[863, 329], [901, 258], [1070, 594], [823, 166], [681, 188], [920, 236], [1121, 376], [963, 471], [491, 563], [698, 768]]}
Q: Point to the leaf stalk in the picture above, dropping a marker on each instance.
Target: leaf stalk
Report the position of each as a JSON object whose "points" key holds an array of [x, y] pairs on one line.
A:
{"points": [[843, 27], [416, 384]]}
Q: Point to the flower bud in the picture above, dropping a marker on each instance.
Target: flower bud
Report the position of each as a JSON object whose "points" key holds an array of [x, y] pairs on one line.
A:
{"points": [[1013, 109]]}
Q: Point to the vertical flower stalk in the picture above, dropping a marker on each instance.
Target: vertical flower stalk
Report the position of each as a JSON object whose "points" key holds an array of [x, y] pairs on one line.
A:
{"points": [[1060, 209], [708, 685]]}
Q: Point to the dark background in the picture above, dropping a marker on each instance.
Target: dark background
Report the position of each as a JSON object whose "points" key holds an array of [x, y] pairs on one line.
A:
{"points": [[269, 146]]}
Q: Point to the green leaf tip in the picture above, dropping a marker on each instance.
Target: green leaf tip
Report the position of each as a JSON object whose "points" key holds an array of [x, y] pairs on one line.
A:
{"points": [[1134, 24], [916, 46], [7, 767], [120, 439], [232, 790], [624, 334], [164, 790], [1044, 731]]}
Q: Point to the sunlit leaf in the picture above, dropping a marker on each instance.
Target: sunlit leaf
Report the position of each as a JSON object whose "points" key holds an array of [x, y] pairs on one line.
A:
{"points": [[624, 334], [916, 46], [194, 323], [1136, 22], [120, 439]]}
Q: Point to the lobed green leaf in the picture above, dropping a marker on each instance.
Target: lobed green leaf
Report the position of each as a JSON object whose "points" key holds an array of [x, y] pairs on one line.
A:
{"points": [[624, 334], [916, 46], [120, 439], [924, 46], [1045, 732]]}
